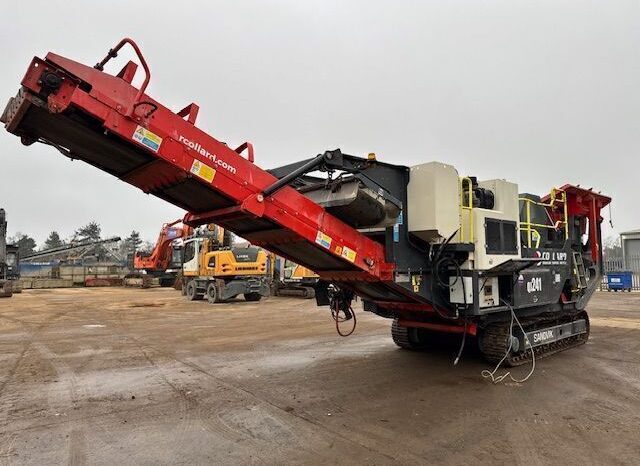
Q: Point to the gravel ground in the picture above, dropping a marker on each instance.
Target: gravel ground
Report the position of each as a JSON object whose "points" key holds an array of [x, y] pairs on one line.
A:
{"points": [[127, 376]]}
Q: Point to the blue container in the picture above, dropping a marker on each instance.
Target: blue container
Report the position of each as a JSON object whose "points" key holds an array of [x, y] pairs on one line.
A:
{"points": [[619, 281]]}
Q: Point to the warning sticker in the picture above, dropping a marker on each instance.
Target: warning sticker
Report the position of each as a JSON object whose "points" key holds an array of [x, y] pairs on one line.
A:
{"points": [[323, 240], [348, 254], [147, 138], [203, 170], [416, 281]]}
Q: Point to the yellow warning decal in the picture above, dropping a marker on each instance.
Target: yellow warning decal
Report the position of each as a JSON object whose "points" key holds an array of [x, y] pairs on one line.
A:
{"points": [[416, 281], [203, 170], [348, 254], [323, 240], [147, 138]]}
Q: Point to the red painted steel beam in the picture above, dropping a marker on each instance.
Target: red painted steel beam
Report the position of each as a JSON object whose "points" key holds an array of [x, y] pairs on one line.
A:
{"points": [[182, 149], [472, 329]]}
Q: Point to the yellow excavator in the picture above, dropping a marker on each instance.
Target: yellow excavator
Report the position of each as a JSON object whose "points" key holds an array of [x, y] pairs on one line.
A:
{"points": [[295, 280], [214, 269]]}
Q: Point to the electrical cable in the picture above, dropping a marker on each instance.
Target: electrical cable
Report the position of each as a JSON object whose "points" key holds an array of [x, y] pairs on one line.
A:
{"points": [[487, 374], [413, 244], [335, 313], [464, 339], [464, 333], [340, 301], [437, 263], [435, 278], [484, 282], [610, 217]]}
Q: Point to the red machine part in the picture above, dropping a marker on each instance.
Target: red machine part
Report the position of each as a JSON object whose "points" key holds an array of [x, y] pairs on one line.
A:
{"points": [[584, 203], [160, 257], [470, 329], [180, 163]]}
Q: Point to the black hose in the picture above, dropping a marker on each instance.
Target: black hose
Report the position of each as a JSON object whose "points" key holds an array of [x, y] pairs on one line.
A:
{"points": [[349, 314], [435, 277], [464, 339], [437, 263]]}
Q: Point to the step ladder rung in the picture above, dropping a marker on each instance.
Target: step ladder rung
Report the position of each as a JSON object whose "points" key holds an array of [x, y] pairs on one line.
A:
{"points": [[579, 271]]}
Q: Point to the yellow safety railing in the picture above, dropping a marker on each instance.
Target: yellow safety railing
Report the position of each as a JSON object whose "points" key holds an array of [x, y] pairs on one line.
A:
{"points": [[532, 228], [466, 206]]}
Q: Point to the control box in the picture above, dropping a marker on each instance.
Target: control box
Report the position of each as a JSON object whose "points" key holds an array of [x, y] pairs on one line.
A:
{"points": [[488, 294]]}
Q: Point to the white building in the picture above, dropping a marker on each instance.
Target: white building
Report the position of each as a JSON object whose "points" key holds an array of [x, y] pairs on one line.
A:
{"points": [[630, 242]]}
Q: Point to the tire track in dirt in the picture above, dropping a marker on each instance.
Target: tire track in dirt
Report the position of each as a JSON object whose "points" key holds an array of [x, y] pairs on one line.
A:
{"points": [[32, 334], [6, 450], [75, 394], [222, 428], [190, 411], [33, 331], [77, 448], [517, 432], [109, 443], [365, 444]]}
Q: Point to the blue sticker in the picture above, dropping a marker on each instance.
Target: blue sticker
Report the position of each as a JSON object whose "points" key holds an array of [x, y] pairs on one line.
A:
{"points": [[396, 228]]}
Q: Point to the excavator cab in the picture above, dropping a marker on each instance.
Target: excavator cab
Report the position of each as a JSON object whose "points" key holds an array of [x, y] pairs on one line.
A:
{"points": [[191, 255]]}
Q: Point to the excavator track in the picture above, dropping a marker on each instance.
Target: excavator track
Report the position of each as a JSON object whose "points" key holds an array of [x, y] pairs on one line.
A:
{"points": [[494, 341], [305, 292], [401, 336]]}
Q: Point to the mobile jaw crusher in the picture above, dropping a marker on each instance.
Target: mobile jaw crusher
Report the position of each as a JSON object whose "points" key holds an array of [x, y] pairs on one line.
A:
{"points": [[434, 251]]}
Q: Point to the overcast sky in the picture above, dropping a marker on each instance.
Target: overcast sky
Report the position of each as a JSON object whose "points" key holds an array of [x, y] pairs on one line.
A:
{"points": [[538, 92]]}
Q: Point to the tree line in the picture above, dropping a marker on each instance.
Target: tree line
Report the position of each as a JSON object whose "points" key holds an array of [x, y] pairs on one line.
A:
{"points": [[92, 231]]}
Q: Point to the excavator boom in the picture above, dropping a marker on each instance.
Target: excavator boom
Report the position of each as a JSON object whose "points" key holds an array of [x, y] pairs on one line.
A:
{"points": [[160, 257]]}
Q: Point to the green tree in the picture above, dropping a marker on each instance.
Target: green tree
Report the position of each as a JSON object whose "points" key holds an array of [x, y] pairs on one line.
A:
{"points": [[53, 241], [145, 248], [26, 244], [90, 232], [612, 247], [133, 241]]}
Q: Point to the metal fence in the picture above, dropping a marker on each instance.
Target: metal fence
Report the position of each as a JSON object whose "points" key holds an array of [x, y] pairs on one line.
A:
{"points": [[620, 264]]}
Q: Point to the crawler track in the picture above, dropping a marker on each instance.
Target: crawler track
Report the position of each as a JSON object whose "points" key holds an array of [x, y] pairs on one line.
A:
{"points": [[494, 341], [400, 336]]}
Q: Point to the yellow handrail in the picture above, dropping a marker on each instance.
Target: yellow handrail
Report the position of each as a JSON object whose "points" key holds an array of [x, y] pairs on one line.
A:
{"points": [[531, 228], [538, 238], [468, 207]]}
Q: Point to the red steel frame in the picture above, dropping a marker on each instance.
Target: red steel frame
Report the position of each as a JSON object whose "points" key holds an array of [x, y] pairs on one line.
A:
{"points": [[584, 203], [121, 108]]}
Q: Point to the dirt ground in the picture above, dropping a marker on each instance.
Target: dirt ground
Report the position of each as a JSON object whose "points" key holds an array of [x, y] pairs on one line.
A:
{"points": [[126, 376]]}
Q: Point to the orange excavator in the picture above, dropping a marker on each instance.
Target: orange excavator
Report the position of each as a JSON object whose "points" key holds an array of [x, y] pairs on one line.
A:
{"points": [[165, 260]]}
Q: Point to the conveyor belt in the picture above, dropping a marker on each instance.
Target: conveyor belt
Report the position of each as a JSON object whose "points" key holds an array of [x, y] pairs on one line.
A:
{"points": [[103, 120]]}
